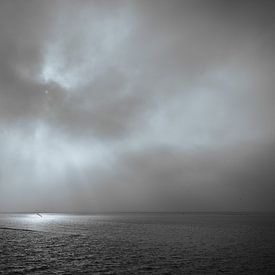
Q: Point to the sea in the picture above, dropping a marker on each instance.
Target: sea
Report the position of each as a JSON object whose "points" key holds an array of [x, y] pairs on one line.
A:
{"points": [[137, 243]]}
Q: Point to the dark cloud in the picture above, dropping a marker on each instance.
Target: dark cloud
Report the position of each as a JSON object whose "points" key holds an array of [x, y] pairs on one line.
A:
{"points": [[130, 105]]}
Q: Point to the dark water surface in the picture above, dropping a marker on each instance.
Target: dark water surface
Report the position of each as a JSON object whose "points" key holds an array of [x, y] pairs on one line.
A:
{"points": [[137, 244]]}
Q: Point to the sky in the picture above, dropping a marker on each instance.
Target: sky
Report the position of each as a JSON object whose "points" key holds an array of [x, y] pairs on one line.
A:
{"points": [[137, 105]]}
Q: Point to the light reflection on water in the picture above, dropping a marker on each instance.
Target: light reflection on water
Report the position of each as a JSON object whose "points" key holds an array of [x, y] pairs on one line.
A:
{"points": [[34, 218], [47, 222]]}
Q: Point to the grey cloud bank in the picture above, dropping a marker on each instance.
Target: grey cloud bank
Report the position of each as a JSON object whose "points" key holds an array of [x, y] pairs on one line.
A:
{"points": [[137, 105]]}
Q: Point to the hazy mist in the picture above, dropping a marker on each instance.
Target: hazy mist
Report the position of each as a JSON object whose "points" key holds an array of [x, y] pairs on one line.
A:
{"points": [[137, 105]]}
